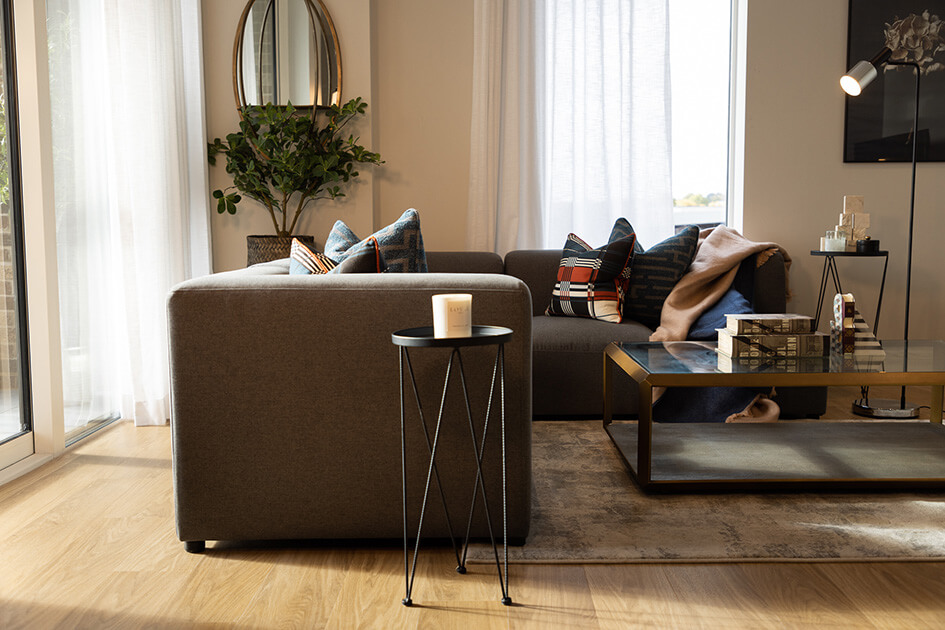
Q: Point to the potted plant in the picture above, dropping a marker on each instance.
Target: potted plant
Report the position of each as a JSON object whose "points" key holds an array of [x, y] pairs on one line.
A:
{"points": [[286, 159]]}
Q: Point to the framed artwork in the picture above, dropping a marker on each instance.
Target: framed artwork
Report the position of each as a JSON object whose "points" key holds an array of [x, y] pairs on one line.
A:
{"points": [[878, 123]]}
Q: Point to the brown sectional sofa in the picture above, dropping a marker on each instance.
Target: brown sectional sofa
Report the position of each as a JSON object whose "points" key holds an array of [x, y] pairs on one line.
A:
{"points": [[285, 393]]}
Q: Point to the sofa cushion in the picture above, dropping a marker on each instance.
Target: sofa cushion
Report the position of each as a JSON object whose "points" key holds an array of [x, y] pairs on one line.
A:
{"points": [[567, 364], [465, 262], [401, 244], [304, 260], [655, 272], [572, 334], [592, 282]]}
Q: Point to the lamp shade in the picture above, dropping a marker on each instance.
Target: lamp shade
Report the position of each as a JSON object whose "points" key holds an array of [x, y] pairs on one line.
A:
{"points": [[858, 78], [860, 75]]}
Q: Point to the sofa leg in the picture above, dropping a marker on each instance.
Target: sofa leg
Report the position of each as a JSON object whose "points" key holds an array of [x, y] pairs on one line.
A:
{"points": [[195, 546], [516, 541]]}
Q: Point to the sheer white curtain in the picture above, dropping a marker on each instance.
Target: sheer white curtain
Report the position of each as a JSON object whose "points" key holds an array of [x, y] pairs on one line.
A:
{"points": [[577, 91], [132, 217], [504, 206]]}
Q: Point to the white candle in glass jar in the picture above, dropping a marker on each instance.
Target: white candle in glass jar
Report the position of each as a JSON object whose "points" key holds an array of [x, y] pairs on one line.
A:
{"points": [[452, 315]]}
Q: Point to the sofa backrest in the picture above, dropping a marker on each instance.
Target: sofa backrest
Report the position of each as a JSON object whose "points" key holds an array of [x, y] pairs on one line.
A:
{"points": [[464, 262], [537, 268]]}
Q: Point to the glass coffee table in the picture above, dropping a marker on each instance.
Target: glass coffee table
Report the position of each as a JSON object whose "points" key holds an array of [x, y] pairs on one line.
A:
{"points": [[788, 454]]}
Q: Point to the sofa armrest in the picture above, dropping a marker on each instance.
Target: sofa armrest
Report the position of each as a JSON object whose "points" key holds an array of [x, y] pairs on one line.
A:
{"points": [[285, 410]]}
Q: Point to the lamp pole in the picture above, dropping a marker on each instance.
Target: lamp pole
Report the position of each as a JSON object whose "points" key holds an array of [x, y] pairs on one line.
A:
{"points": [[853, 83], [915, 145]]}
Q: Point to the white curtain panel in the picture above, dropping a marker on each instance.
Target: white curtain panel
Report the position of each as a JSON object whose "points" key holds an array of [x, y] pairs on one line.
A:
{"points": [[504, 208], [126, 86], [575, 93]]}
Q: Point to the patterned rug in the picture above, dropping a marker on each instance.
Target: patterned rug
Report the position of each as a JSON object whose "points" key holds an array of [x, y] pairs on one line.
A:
{"points": [[586, 509]]}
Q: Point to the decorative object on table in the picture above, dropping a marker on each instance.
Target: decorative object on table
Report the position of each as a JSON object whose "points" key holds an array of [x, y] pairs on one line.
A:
{"points": [[867, 246], [877, 127], [401, 243], [850, 228], [424, 337], [592, 282], [452, 315], [834, 241], [896, 53], [849, 332], [286, 160]]}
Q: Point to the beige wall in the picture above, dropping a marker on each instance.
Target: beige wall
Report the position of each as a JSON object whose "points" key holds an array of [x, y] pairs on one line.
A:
{"points": [[795, 177], [352, 20], [411, 60]]}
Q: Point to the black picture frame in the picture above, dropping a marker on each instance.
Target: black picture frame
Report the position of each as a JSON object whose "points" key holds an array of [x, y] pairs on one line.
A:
{"points": [[878, 122]]}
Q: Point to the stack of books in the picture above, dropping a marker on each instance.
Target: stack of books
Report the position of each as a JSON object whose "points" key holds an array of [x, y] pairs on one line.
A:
{"points": [[761, 338]]}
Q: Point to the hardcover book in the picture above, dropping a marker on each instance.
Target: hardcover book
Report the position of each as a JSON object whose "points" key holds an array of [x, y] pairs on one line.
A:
{"points": [[771, 364], [759, 346], [764, 323]]}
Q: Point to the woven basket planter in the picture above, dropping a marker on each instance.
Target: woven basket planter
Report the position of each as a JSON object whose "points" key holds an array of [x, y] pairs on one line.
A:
{"points": [[263, 248]]}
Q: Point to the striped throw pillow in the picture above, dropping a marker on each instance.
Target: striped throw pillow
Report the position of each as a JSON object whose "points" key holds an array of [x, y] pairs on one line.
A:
{"points": [[304, 261], [592, 282]]}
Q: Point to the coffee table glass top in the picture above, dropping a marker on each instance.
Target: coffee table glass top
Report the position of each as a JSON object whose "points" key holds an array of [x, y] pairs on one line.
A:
{"points": [[696, 357]]}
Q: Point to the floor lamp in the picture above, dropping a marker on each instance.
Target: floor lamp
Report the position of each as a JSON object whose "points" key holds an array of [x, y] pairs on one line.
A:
{"points": [[853, 83]]}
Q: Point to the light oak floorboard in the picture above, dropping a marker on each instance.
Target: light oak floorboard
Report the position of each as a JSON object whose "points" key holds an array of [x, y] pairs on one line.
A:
{"points": [[88, 541]]}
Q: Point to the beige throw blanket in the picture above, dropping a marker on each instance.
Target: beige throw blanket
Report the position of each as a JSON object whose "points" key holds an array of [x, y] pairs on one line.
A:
{"points": [[719, 253]]}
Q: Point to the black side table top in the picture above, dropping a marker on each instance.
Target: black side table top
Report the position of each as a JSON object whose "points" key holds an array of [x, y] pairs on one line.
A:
{"points": [[422, 337], [821, 252]]}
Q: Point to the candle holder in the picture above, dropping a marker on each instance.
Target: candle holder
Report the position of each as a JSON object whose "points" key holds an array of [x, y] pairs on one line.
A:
{"points": [[452, 315]]}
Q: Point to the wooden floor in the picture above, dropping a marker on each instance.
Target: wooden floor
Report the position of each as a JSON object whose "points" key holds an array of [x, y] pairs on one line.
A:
{"points": [[88, 541]]}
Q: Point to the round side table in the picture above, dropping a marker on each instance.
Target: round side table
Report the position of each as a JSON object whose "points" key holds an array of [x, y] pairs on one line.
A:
{"points": [[423, 337]]}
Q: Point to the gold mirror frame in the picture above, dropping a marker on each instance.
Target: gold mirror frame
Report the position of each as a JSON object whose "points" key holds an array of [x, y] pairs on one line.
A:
{"points": [[320, 20]]}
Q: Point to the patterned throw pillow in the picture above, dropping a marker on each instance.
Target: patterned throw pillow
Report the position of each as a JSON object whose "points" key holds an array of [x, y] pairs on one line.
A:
{"points": [[654, 274], [305, 261], [365, 257], [401, 244], [592, 282]]}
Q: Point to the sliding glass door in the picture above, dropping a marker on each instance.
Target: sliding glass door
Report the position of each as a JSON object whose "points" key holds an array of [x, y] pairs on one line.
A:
{"points": [[16, 440]]}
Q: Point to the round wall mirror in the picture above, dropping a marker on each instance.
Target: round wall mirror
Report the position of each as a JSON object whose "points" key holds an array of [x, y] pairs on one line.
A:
{"points": [[286, 51]]}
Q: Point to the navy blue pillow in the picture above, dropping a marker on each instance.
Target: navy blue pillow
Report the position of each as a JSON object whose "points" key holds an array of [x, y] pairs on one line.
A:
{"points": [[703, 329]]}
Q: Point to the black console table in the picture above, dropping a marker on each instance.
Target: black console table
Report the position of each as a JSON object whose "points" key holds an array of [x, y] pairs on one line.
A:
{"points": [[830, 267], [423, 338]]}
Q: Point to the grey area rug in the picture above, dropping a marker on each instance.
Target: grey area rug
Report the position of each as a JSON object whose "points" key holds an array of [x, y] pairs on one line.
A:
{"points": [[586, 509]]}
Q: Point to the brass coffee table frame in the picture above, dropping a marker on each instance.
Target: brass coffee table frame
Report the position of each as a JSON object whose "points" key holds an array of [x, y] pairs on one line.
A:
{"points": [[802, 455]]}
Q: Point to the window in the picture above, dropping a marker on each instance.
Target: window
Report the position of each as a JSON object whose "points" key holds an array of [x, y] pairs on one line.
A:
{"points": [[700, 58], [15, 422]]}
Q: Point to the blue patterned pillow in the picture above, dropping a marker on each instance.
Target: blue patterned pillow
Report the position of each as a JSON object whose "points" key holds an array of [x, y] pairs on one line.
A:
{"points": [[400, 243], [305, 261], [592, 282], [655, 272]]}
